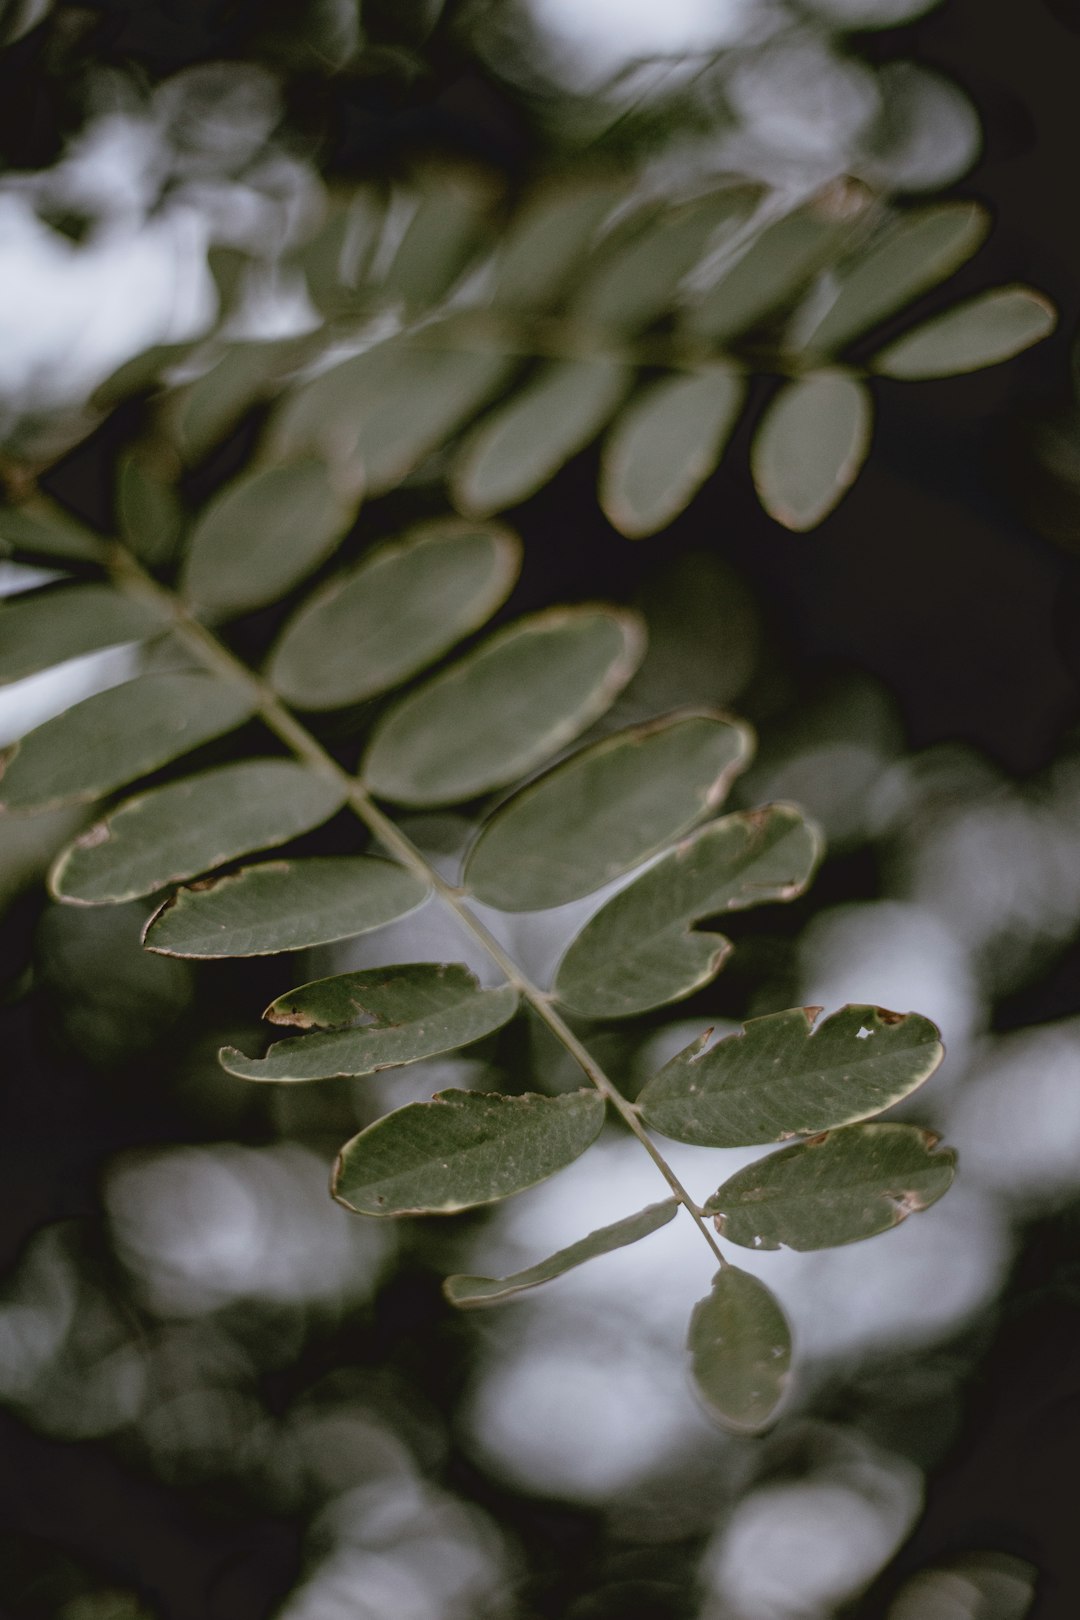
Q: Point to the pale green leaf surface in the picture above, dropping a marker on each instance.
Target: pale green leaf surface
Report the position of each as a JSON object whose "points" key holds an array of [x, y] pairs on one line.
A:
{"points": [[175, 832], [261, 535], [470, 1293], [639, 281], [380, 413], [437, 244], [784, 1076], [65, 621], [284, 906], [139, 374], [524, 442], [810, 445], [922, 248], [777, 264], [48, 533], [462, 1149], [642, 950], [664, 445], [740, 1350], [604, 810], [505, 707], [115, 736], [209, 409], [148, 510], [542, 247], [396, 612], [982, 331], [414, 1011], [837, 1188]]}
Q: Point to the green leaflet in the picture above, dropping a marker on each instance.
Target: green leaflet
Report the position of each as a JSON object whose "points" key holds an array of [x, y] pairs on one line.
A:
{"points": [[261, 535], [462, 1149], [664, 445], [982, 331], [642, 950], [210, 408], [542, 248], [438, 243], [740, 1350], [380, 413], [148, 510], [284, 906], [523, 443], [65, 621], [396, 612], [922, 247], [413, 1011], [47, 533], [193, 826], [782, 1076], [469, 1293], [781, 260], [638, 282], [605, 810], [810, 446], [116, 736], [837, 1188], [507, 706]]}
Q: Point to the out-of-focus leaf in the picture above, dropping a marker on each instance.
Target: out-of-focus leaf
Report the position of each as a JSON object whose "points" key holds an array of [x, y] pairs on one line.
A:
{"points": [[778, 264], [605, 810], [740, 1350], [782, 1076], [66, 621], [284, 906], [439, 241], [470, 1293], [836, 1188], [412, 1012], [176, 832], [810, 446], [664, 445], [113, 737], [638, 282], [396, 612], [979, 332], [48, 534], [920, 249], [149, 514], [543, 246], [506, 707], [380, 413], [17, 17], [262, 534], [336, 258], [524, 442], [642, 950], [462, 1149], [207, 410], [137, 375]]}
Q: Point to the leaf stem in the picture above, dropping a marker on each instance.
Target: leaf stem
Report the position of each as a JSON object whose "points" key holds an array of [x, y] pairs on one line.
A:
{"points": [[133, 579]]}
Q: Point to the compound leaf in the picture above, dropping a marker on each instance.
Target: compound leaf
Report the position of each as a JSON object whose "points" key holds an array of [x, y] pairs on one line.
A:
{"points": [[462, 1149], [740, 1350], [396, 612], [922, 248], [414, 1011], [837, 1188], [504, 708], [642, 950], [982, 331], [262, 534], [66, 621], [781, 1076], [664, 445], [810, 445], [604, 810], [470, 1293], [284, 906], [176, 832], [117, 735], [525, 442]]}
